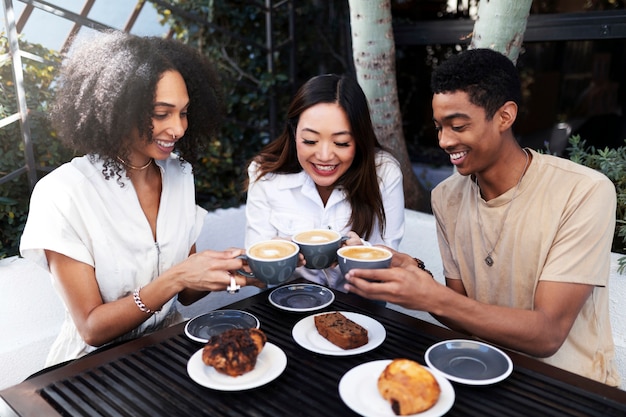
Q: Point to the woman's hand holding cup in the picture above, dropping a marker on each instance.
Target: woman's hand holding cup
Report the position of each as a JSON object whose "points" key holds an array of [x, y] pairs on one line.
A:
{"points": [[319, 246], [271, 261]]}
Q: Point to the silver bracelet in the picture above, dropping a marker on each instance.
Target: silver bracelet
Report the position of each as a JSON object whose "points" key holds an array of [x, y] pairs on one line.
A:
{"points": [[140, 303]]}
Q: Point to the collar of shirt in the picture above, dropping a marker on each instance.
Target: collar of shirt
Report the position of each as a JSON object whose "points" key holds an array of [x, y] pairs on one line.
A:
{"points": [[303, 180]]}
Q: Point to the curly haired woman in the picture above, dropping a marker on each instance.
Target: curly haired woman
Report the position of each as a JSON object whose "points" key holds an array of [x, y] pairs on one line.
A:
{"points": [[117, 227]]}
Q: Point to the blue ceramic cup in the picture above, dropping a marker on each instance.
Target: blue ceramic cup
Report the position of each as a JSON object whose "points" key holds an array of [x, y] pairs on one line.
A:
{"points": [[271, 261], [319, 247], [363, 257]]}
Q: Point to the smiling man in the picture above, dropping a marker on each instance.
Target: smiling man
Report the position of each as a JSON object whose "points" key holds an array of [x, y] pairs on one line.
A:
{"points": [[525, 238]]}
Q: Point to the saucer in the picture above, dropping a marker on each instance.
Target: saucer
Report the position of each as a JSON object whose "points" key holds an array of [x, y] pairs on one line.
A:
{"points": [[469, 362], [202, 327], [301, 297]]}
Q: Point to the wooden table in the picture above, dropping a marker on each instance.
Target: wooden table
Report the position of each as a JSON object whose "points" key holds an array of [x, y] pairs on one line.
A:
{"points": [[148, 377]]}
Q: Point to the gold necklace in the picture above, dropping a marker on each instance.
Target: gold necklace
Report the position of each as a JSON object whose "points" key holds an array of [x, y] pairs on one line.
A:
{"points": [[488, 258], [128, 165]]}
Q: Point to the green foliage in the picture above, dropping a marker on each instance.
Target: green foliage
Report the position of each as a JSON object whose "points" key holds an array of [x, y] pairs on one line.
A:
{"points": [[235, 38], [234, 42], [612, 163], [15, 194]]}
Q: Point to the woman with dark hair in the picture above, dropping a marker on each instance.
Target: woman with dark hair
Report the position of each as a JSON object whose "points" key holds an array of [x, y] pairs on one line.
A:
{"points": [[117, 227], [326, 170]]}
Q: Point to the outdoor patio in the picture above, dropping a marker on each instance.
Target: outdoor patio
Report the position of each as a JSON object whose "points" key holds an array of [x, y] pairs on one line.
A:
{"points": [[32, 312]]}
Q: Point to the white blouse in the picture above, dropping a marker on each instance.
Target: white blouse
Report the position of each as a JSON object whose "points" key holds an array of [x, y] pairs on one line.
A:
{"points": [[281, 205], [75, 211]]}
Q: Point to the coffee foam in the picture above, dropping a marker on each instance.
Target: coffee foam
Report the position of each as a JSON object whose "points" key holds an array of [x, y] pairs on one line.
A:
{"points": [[316, 236], [364, 254], [272, 250]]}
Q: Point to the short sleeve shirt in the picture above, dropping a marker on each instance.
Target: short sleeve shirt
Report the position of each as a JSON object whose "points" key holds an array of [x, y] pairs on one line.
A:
{"points": [[559, 227], [75, 211]]}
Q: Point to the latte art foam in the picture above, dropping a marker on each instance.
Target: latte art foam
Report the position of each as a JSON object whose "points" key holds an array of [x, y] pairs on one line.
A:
{"points": [[272, 250], [316, 237], [364, 254]]}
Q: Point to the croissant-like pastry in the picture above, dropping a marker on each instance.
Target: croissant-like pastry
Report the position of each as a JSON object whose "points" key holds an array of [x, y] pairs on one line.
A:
{"points": [[234, 352], [408, 386]]}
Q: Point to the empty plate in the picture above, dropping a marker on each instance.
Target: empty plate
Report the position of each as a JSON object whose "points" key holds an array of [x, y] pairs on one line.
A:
{"points": [[201, 328], [301, 297], [469, 362]]}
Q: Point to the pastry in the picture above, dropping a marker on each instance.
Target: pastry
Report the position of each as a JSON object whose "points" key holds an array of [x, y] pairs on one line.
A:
{"points": [[408, 386], [340, 330], [235, 351]]}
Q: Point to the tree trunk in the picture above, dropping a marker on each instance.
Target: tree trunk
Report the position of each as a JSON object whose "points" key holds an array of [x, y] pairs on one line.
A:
{"points": [[500, 26], [374, 56]]}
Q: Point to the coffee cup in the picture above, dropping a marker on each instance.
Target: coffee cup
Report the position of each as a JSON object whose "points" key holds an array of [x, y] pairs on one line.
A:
{"points": [[363, 257], [271, 261], [319, 247]]}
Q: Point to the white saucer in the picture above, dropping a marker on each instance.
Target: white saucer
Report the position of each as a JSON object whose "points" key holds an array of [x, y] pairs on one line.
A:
{"points": [[469, 361], [301, 297], [306, 335], [358, 388], [270, 363]]}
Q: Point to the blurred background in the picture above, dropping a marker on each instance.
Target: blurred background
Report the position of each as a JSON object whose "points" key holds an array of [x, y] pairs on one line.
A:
{"points": [[573, 67]]}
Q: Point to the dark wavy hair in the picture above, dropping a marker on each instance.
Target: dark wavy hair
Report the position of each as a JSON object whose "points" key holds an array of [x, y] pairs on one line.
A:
{"points": [[360, 181], [107, 88], [488, 77]]}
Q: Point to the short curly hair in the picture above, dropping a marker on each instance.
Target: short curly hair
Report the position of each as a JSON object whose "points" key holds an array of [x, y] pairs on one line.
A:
{"points": [[107, 88], [487, 76]]}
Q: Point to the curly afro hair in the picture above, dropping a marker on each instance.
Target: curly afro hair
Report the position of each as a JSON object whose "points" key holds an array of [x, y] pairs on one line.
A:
{"points": [[107, 88], [487, 76]]}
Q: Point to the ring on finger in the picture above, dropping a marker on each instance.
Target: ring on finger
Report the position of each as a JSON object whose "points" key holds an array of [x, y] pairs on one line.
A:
{"points": [[233, 288]]}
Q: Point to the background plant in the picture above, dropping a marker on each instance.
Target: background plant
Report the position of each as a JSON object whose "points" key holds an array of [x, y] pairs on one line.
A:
{"points": [[323, 47], [15, 194], [612, 163], [234, 39]]}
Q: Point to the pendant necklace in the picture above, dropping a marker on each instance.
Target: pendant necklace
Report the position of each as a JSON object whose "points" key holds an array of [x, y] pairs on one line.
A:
{"points": [[141, 168], [489, 259]]}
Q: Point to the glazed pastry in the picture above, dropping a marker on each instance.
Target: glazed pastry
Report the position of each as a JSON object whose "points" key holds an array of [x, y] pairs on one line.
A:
{"points": [[408, 386], [235, 351]]}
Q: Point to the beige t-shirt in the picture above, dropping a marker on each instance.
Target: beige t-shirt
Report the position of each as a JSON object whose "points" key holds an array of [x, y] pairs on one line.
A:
{"points": [[559, 228]]}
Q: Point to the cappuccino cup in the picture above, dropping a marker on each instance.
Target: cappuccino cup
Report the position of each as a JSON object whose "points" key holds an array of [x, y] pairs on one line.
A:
{"points": [[319, 247], [271, 261], [363, 257]]}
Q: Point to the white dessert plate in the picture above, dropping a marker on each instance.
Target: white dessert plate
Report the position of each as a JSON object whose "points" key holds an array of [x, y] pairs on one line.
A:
{"points": [[202, 327], [469, 362], [358, 388], [301, 297], [270, 363], [306, 335]]}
